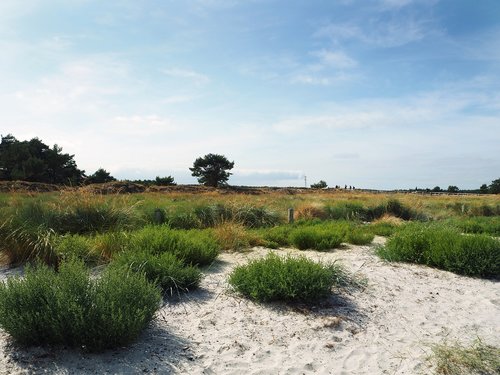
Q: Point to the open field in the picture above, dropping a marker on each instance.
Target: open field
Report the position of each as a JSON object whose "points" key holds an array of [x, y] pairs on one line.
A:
{"points": [[382, 316]]}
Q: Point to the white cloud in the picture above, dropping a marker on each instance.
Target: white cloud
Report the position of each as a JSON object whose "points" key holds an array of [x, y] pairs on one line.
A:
{"points": [[335, 59], [195, 77]]}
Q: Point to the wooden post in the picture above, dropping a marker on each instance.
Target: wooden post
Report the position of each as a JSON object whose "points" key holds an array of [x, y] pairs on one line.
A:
{"points": [[159, 216], [290, 215]]}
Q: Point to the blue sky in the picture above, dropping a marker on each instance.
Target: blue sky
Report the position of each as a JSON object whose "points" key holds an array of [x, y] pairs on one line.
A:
{"points": [[370, 93]]}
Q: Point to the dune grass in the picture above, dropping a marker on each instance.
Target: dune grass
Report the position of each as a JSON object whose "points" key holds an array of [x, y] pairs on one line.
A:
{"points": [[444, 247], [456, 359]]}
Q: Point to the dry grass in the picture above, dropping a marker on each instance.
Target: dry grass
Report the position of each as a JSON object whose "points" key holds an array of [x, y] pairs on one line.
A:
{"points": [[234, 236]]}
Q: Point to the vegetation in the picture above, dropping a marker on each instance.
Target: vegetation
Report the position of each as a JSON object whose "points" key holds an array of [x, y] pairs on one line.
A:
{"points": [[319, 185], [456, 359], [71, 308], [99, 177], [289, 279], [36, 162], [445, 248], [211, 169], [165, 270]]}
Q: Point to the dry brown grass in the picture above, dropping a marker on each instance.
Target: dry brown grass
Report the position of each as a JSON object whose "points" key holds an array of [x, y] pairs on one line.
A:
{"points": [[310, 211], [234, 236]]}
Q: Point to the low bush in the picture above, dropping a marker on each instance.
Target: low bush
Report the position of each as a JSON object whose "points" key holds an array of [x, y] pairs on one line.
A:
{"points": [[359, 236], [275, 278], [165, 270], [71, 308], [445, 248], [486, 225], [383, 228], [234, 236], [183, 220], [279, 236], [212, 215], [74, 246], [316, 238], [193, 247], [255, 217]]}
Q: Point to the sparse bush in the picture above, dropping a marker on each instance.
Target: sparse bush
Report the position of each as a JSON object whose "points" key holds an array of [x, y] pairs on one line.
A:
{"points": [[444, 247], [279, 236], [274, 278], [234, 236], [383, 228], [70, 308], [165, 270], [212, 215]]}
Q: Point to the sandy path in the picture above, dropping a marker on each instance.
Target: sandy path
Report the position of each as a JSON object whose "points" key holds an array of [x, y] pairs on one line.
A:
{"points": [[384, 329]]}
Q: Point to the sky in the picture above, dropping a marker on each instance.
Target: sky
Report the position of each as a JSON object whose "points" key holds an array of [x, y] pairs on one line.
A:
{"points": [[378, 94]]}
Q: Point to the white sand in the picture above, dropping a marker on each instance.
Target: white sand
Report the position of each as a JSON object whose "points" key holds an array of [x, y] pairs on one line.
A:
{"points": [[386, 328]]}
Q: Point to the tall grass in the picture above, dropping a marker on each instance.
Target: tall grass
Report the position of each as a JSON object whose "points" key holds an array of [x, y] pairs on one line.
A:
{"points": [[70, 308], [445, 248]]}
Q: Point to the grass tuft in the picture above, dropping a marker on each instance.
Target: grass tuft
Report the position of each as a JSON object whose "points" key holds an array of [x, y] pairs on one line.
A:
{"points": [[455, 359]]}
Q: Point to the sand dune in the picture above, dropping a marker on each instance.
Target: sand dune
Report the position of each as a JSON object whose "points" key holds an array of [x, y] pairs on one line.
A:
{"points": [[385, 328]]}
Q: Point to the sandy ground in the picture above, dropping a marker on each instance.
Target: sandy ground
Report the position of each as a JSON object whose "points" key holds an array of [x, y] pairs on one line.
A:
{"points": [[385, 328]]}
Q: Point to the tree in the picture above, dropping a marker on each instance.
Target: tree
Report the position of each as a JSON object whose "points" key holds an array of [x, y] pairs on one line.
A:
{"points": [[34, 161], [483, 189], [165, 181], [211, 169], [436, 189], [495, 186], [99, 177], [319, 185], [453, 189]]}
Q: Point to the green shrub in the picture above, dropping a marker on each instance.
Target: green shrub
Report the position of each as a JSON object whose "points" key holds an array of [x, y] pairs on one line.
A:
{"points": [[359, 236], [74, 246], [278, 235], [346, 211], [316, 238], [487, 225], [193, 247], [183, 220], [275, 278], [165, 270], [446, 248], [70, 308], [382, 228]]}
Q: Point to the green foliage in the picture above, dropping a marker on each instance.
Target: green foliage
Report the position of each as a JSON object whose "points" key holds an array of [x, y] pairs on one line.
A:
{"points": [[183, 220], [211, 169], [445, 248], [453, 189], [382, 228], [164, 269], [483, 189], [164, 181], [193, 247], [274, 278], [495, 186], [256, 217], [70, 247], [36, 162], [315, 237], [212, 215], [359, 236], [456, 359], [487, 225], [99, 177], [21, 243], [73, 309], [319, 185]]}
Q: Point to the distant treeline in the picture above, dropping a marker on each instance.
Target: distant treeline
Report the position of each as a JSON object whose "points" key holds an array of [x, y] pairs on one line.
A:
{"points": [[34, 161]]}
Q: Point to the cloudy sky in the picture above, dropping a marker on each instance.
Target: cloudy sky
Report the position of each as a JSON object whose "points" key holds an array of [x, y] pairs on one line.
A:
{"points": [[371, 93]]}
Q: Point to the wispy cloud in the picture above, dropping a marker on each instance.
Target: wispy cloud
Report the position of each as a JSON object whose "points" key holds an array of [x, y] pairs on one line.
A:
{"points": [[191, 75]]}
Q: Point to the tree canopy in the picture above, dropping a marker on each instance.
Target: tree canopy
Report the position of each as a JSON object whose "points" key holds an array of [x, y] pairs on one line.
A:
{"points": [[495, 186], [34, 161], [319, 185], [100, 176], [211, 169]]}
